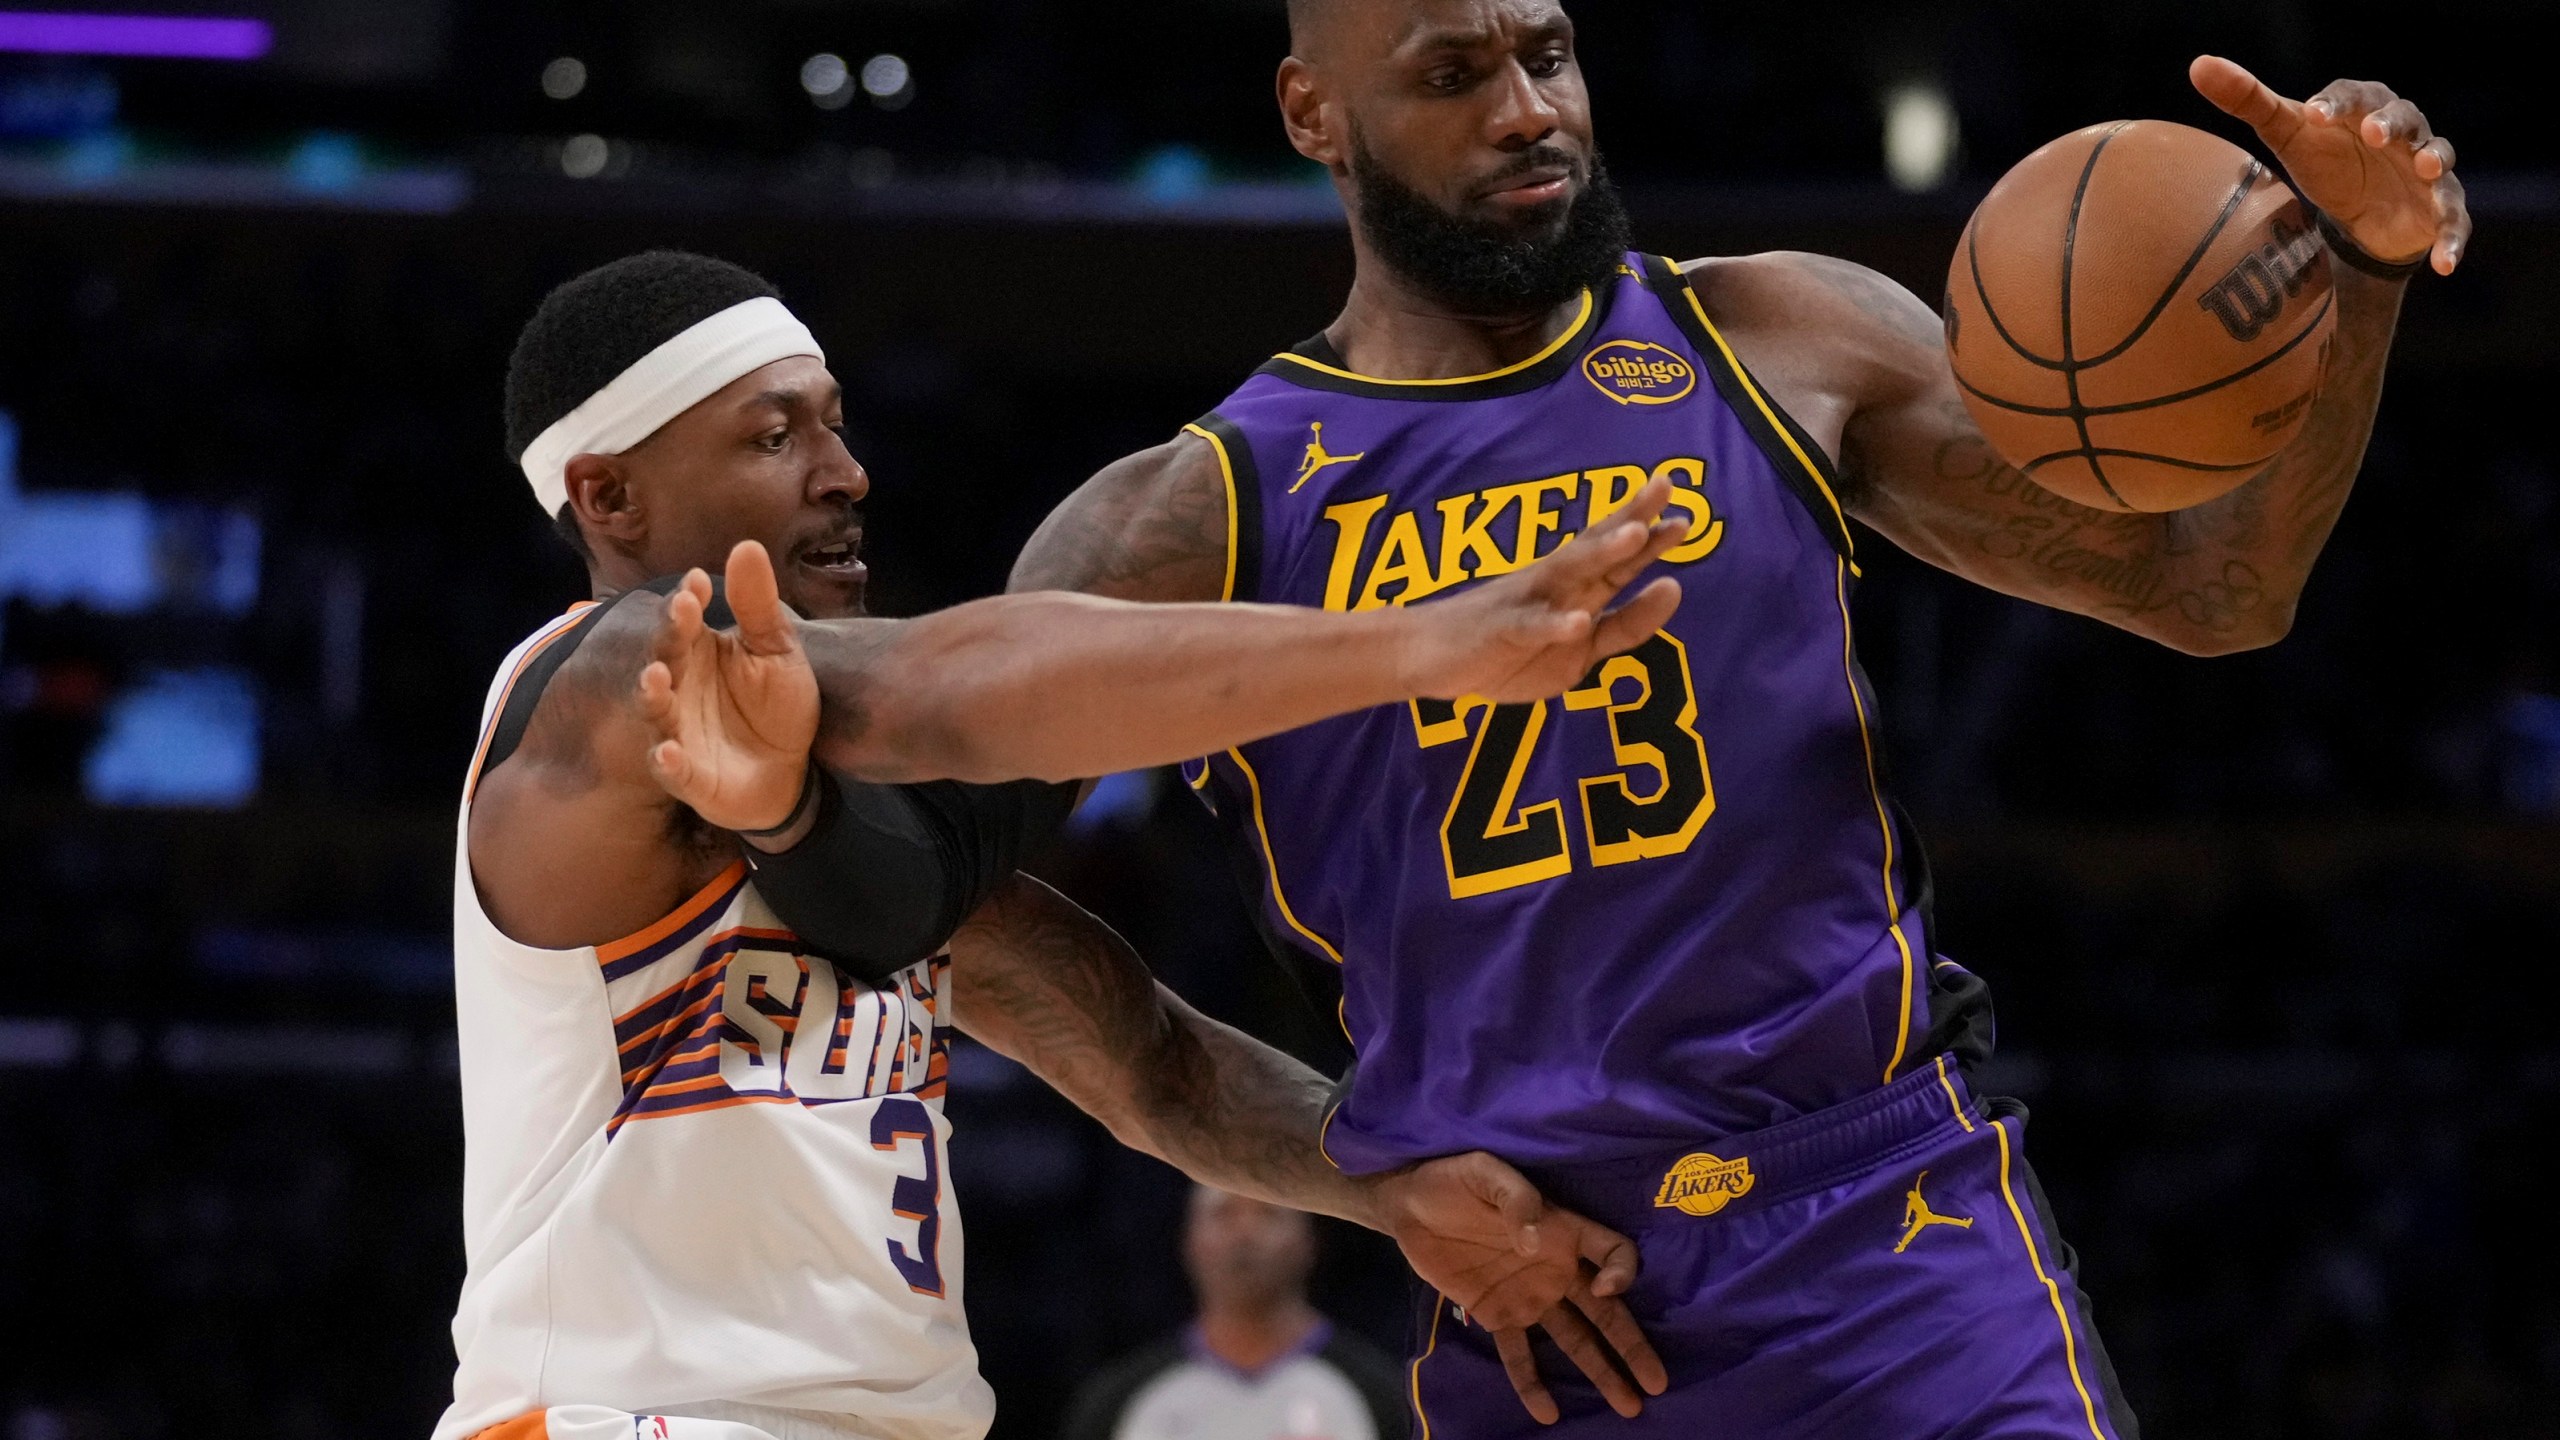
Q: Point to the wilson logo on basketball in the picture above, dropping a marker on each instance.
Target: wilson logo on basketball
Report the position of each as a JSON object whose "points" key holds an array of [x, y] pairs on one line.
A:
{"points": [[2255, 291], [1633, 372], [1702, 1184]]}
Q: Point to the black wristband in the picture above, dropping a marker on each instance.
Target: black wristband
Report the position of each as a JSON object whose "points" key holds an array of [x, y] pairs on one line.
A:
{"points": [[799, 807], [2354, 257]]}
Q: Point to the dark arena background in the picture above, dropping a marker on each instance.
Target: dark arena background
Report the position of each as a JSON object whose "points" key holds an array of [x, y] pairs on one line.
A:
{"points": [[2272, 935]]}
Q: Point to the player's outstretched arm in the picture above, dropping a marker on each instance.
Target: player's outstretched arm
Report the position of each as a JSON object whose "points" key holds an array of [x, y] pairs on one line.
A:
{"points": [[1842, 342], [1058, 687], [1037, 979]]}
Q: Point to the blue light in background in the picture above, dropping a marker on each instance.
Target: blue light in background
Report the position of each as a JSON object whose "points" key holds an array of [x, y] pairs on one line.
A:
{"points": [[325, 162], [57, 104], [178, 738], [96, 158], [1174, 176], [92, 550]]}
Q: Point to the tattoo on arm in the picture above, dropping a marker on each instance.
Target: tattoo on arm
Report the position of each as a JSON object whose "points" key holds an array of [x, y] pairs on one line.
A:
{"points": [[1151, 527], [1039, 980], [2218, 576]]}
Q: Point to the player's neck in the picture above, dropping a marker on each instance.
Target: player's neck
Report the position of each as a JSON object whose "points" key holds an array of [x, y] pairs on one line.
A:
{"points": [[1251, 1337], [1392, 330]]}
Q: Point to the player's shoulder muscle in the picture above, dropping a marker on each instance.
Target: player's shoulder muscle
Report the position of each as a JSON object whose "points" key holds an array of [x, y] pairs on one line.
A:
{"points": [[569, 837], [1842, 347], [1826, 299], [1151, 526]]}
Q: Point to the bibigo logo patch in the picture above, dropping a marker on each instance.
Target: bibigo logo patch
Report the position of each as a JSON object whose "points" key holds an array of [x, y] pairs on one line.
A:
{"points": [[1701, 1184], [1633, 372]]}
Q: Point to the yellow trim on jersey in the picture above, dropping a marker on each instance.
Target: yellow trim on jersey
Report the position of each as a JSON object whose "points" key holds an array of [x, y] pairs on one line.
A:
{"points": [[1271, 862], [1580, 322], [1884, 824], [1952, 1102], [1771, 411], [2070, 1346], [1325, 1130], [1226, 469], [1439, 1306]]}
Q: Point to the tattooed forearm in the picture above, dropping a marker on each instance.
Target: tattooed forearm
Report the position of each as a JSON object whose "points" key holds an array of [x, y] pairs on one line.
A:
{"points": [[1039, 980], [2220, 576], [2122, 566], [1152, 527]]}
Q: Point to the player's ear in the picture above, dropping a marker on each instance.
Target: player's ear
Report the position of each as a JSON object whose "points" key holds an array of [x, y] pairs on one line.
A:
{"points": [[1306, 116], [600, 491]]}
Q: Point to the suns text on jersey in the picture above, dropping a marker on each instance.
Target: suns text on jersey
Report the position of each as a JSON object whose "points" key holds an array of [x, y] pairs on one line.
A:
{"points": [[1382, 559]]}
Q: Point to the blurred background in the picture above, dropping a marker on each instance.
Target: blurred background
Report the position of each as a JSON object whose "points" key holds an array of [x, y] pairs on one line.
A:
{"points": [[2271, 935]]}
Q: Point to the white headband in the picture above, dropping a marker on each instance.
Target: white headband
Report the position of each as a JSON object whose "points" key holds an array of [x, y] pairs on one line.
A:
{"points": [[663, 384]]}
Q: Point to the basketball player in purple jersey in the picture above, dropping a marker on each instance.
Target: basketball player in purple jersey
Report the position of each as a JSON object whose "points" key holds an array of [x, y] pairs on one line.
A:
{"points": [[1662, 942]]}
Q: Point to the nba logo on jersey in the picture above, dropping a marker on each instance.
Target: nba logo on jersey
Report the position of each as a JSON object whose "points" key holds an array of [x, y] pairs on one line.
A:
{"points": [[1701, 1184]]}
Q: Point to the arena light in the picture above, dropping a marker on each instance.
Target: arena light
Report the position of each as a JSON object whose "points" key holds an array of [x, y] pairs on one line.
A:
{"points": [[1919, 136], [564, 78], [159, 37], [828, 80], [889, 81]]}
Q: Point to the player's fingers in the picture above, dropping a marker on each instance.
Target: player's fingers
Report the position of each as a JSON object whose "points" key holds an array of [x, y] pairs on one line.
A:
{"points": [[1521, 1364], [683, 623], [1590, 1354], [1668, 534], [2244, 97], [2398, 122], [2434, 159], [1631, 624], [1512, 1196], [1605, 546], [2347, 102], [658, 697], [1612, 1255], [755, 598], [673, 767], [2453, 225], [1617, 1325]]}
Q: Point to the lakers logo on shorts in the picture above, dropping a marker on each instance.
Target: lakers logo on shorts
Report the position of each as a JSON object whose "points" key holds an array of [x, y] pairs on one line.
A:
{"points": [[1633, 372], [1701, 1184]]}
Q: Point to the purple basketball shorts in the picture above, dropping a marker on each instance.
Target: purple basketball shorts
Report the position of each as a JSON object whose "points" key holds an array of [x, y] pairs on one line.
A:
{"points": [[1882, 1270]]}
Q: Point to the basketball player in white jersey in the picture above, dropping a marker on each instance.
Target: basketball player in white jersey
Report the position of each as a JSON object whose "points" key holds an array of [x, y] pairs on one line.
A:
{"points": [[705, 1194]]}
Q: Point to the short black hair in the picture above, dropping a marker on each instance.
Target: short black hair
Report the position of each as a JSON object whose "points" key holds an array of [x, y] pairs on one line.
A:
{"points": [[597, 326]]}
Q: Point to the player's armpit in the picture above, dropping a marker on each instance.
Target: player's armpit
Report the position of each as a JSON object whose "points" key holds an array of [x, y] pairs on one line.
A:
{"points": [[1151, 526]]}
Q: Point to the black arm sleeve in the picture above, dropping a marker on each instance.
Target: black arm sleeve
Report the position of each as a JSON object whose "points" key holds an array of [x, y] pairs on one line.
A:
{"points": [[890, 871]]}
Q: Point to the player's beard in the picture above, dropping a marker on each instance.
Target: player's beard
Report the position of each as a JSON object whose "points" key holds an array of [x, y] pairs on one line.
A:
{"points": [[1479, 267]]}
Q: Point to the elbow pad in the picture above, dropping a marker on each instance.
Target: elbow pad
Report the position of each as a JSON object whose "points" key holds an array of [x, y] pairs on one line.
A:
{"points": [[888, 872]]}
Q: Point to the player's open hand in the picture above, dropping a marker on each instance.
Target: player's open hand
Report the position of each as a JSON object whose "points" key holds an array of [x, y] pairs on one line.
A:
{"points": [[734, 712], [1536, 632], [1479, 1233], [2360, 153]]}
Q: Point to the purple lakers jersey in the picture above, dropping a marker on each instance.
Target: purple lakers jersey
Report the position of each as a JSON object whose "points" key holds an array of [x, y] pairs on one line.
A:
{"points": [[1672, 903]]}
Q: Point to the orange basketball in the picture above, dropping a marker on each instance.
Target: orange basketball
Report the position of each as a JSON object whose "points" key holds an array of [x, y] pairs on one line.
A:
{"points": [[2140, 316]]}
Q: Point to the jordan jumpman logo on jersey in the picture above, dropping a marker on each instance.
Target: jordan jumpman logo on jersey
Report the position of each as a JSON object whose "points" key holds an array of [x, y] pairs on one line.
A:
{"points": [[1317, 460], [1917, 1216]]}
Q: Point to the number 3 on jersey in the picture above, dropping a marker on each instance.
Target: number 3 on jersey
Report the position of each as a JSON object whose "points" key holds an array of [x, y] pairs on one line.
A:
{"points": [[1490, 844]]}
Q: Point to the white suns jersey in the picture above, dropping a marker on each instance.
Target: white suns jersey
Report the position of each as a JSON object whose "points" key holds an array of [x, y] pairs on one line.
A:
{"points": [[701, 1171]]}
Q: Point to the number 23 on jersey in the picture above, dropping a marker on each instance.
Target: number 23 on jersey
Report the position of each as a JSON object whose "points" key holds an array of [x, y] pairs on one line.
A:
{"points": [[1653, 805]]}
